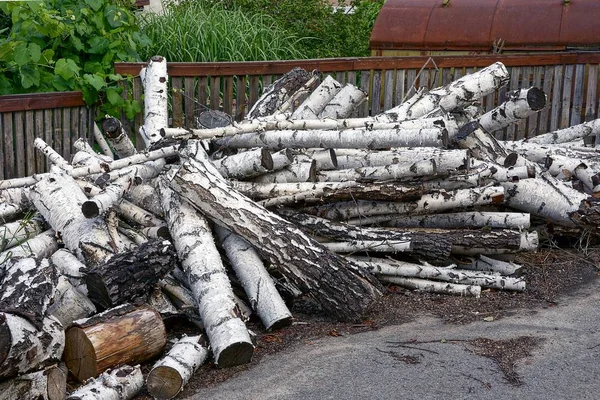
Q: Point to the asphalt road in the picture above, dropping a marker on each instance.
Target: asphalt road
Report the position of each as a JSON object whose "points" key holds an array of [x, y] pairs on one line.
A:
{"points": [[564, 365]]}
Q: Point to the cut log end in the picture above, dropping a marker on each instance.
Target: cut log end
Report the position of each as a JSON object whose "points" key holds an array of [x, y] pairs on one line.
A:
{"points": [[236, 354], [536, 98], [80, 355], [164, 382], [281, 323], [90, 209], [266, 159]]}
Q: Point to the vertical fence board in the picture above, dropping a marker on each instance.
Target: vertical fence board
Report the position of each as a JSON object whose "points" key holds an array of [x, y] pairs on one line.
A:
{"points": [[40, 131], [515, 79], [376, 93], [30, 135], [228, 95], [19, 143], [424, 78], [215, 93], [189, 86], [352, 77], [2, 149], [254, 90], [400, 87], [522, 124], [138, 121], [578, 88], [388, 98], [9, 150], [534, 127], [365, 84], [556, 97], [411, 82], [266, 81], [566, 96], [592, 87], [176, 102], [76, 128], [240, 98], [547, 84], [66, 133], [48, 132]]}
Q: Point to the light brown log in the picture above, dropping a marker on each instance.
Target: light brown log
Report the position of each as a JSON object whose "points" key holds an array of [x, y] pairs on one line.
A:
{"points": [[121, 335]]}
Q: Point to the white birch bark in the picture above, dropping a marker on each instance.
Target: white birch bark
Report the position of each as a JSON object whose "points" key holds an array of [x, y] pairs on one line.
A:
{"points": [[401, 171], [262, 191], [138, 215], [446, 161], [17, 196], [13, 233], [10, 211], [484, 263], [58, 199], [246, 164], [69, 266], [122, 383], [465, 219], [170, 374], [48, 384], [303, 171], [325, 159], [459, 93], [82, 144], [344, 103], [590, 128], [542, 197], [101, 140], [52, 155], [379, 246], [539, 152], [318, 99], [264, 298], [296, 98], [113, 193], [390, 267], [585, 171], [39, 246], [206, 276], [351, 138], [529, 242], [521, 104], [182, 298], [424, 285], [156, 116], [145, 196], [282, 159], [118, 138], [69, 304], [429, 203], [25, 348]]}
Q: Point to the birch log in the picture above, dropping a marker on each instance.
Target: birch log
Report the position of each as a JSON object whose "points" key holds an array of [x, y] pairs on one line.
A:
{"points": [[586, 129], [101, 203], [587, 172], [58, 199], [351, 138], [256, 281], [102, 143], [145, 196], [48, 384], [262, 191], [245, 164], [13, 233], [465, 219], [390, 172], [39, 246], [171, 373], [129, 275], [156, 116], [459, 93], [303, 171], [521, 104], [303, 262], [425, 285], [206, 276], [484, 263], [122, 383], [69, 304], [344, 103], [25, 348], [390, 267], [318, 99], [118, 138], [121, 335], [325, 159]]}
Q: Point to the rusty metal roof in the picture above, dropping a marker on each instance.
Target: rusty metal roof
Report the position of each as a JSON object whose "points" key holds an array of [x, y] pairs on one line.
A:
{"points": [[473, 25]]}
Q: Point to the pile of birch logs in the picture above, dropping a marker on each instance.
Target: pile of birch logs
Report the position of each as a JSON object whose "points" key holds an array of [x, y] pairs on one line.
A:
{"points": [[299, 199]]}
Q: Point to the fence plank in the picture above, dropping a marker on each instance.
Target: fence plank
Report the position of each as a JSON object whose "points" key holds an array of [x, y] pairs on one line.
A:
{"points": [[19, 143], [189, 86], [352, 77], [592, 87], [533, 130], [2, 151], [411, 82], [228, 94], [176, 102], [9, 150], [66, 133], [388, 98], [40, 131], [254, 90], [30, 135], [400, 87], [365, 84], [376, 93], [515, 79], [578, 87], [556, 97], [566, 96], [240, 98], [138, 90]]}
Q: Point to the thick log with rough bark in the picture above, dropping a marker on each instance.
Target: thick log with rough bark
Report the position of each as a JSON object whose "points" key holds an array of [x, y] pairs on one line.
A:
{"points": [[206, 277], [122, 383], [264, 298], [171, 373], [25, 348], [131, 274], [344, 290], [48, 384], [390, 267], [521, 104], [121, 335], [118, 138], [350, 139]]}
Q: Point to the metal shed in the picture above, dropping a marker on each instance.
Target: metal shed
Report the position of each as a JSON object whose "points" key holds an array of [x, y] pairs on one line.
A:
{"points": [[443, 27]]}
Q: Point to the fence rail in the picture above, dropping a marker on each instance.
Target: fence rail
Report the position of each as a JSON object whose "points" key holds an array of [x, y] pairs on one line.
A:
{"points": [[569, 79], [58, 118]]}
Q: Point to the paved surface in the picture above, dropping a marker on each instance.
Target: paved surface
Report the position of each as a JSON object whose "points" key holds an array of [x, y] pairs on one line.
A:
{"points": [[566, 365]]}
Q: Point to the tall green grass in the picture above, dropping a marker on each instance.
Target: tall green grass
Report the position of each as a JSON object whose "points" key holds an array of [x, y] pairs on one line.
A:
{"points": [[201, 31]]}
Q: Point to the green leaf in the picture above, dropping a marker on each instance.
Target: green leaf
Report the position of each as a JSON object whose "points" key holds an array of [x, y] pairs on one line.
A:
{"points": [[35, 52], [94, 4], [90, 95], [21, 54], [66, 68], [30, 77], [96, 81], [132, 108], [98, 45], [47, 56], [6, 51], [113, 96], [62, 85]]}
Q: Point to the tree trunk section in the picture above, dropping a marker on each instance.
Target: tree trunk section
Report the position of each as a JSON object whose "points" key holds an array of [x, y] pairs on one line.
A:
{"points": [[118, 138], [425, 285], [344, 103], [521, 104], [156, 115], [318, 99], [49, 384], [122, 383], [122, 335], [246, 164]]}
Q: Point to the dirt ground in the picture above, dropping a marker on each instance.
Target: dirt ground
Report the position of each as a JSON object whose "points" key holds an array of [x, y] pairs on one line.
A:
{"points": [[550, 273]]}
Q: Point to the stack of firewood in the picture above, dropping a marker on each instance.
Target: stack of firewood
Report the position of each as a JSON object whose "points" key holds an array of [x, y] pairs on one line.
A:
{"points": [[299, 199]]}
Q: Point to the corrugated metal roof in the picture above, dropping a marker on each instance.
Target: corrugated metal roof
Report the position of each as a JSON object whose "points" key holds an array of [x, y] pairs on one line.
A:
{"points": [[474, 25]]}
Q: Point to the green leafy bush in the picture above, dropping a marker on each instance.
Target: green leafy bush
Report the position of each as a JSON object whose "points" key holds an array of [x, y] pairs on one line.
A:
{"points": [[203, 31], [62, 45]]}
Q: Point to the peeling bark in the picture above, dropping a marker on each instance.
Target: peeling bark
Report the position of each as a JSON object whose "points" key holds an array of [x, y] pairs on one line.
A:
{"points": [[122, 383]]}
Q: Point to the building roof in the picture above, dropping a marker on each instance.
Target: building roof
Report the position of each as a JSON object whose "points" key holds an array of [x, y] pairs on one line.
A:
{"points": [[474, 25]]}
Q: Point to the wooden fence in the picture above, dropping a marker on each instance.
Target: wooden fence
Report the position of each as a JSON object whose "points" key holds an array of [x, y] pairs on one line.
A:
{"points": [[570, 81], [58, 118]]}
